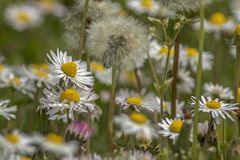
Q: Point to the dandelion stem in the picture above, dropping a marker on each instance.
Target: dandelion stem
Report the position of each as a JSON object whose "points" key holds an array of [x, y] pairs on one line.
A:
{"points": [[112, 104], [83, 27], [199, 83], [175, 75]]}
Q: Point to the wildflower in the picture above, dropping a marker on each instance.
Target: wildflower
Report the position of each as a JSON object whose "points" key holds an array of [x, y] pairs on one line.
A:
{"points": [[135, 124], [51, 6], [66, 100], [23, 16], [17, 142], [64, 68], [102, 74], [217, 91], [130, 99], [185, 82], [144, 6], [190, 57], [118, 40], [81, 130], [171, 128], [55, 143], [6, 111], [215, 107]]}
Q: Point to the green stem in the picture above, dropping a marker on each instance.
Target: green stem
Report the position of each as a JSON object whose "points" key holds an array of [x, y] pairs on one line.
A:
{"points": [[237, 70], [199, 83], [175, 78], [83, 28], [139, 83], [112, 104]]}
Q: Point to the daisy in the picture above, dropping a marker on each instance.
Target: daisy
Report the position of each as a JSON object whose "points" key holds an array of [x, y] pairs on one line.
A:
{"points": [[67, 100], [119, 40], [217, 91], [56, 144], [23, 16], [185, 82], [154, 102], [22, 84], [160, 53], [16, 142], [135, 124], [40, 74], [104, 75], [6, 111], [64, 68], [144, 6], [215, 107], [51, 6], [171, 128], [189, 57], [130, 99], [217, 23]]}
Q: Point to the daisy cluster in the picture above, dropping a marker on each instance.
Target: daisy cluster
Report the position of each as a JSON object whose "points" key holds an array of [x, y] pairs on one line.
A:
{"points": [[146, 76]]}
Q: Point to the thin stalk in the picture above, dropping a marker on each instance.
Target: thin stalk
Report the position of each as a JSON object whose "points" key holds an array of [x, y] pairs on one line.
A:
{"points": [[112, 104], [83, 28], [199, 83], [237, 71], [175, 75], [139, 83]]}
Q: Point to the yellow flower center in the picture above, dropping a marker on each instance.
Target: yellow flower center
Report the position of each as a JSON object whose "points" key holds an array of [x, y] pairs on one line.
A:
{"points": [[16, 80], [71, 95], [96, 67], [135, 100], [164, 50], [12, 138], [147, 4], [25, 158], [41, 74], [54, 138], [213, 104], [218, 19], [192, 52], [47, 4], [70, 69], [237, 30], [238, 95], [176, 126], [138, 118], [23, 17], [1, 68]]}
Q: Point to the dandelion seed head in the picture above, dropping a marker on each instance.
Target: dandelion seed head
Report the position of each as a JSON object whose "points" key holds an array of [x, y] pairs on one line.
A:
{"points": [[121, 40]]}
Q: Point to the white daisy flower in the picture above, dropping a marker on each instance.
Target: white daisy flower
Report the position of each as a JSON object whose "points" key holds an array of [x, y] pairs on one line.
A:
{"points": [[22, 84], [160, 53], [23, 16], [16, 142], [51, 6], [40, 74], [62, 101], [7, 111], [217, 23], [217, 91], [144, 6], [171, 128], [154, 102], [119, 40], [130, 99], [63, 67], [185, 82], [56, 144], [189, 57], [235, 6], [215, 107], [135, 124], [104, 75]]}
